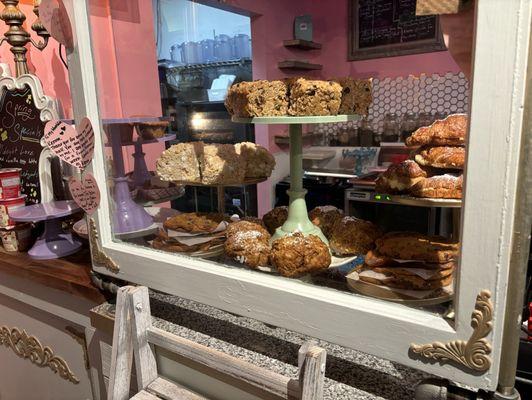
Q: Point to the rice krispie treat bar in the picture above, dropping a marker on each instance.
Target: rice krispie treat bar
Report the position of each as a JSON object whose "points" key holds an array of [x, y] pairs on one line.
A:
{"points": [[220, 164], [180, 163]]}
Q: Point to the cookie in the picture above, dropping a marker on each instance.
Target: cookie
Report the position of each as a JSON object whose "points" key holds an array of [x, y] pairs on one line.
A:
{"points": [[418, 247], [195, 222], [275, 218]]}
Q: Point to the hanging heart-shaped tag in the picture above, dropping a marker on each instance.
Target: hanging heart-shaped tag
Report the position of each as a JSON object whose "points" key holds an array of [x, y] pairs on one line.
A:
{"points": [[71, 145], [54, 17], [85, 193]]}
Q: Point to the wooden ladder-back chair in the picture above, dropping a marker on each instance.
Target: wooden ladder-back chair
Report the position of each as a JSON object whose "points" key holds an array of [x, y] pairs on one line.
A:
{"points": [[134, 336]]}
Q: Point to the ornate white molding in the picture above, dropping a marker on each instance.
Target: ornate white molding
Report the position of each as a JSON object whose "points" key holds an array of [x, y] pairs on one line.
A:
{"points": [[98, 256], [472, 354], [46, 104], [30, 348]]}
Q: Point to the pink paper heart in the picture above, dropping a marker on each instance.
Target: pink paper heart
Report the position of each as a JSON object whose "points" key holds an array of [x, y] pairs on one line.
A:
{"points": [[55, 19], [73, 146], [85, 193]]}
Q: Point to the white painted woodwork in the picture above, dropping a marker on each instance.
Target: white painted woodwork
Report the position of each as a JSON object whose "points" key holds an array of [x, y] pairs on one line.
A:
{"points": [[375, 327], [122, 353], [20, 379], [167, 390], [141, 322]]}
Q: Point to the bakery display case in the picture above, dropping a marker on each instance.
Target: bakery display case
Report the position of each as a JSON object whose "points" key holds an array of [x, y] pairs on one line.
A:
{"points": [[395, 290]]}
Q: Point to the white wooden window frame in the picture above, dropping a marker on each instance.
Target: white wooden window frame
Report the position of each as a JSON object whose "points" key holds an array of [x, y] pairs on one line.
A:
{"points": [[372, 326]]}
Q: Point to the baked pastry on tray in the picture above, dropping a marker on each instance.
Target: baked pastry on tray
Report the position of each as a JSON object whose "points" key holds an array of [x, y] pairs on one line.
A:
{"points": [[220, 164], [441, 186], [257, 99], [195, 222], [296, 255], [356, 95], [449, 157], [248, 243], [374, 259], [418, 247], [450, 131], [314, 97], [259, 163], [275, 218], [399, 178], [399, 278], [181, 163], [352, 236], [325, 217]]}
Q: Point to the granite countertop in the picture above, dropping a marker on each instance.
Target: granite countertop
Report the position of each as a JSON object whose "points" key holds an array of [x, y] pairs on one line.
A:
{"points": [[350, 374]]}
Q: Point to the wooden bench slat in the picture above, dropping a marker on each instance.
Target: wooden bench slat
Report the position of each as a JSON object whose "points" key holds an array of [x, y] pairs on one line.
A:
{"points": [[168, 390], [251, 374], [143, 395]]}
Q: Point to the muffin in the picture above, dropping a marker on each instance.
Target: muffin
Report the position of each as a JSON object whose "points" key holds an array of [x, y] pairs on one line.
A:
{"points": [[325, 217], [352, 236], [275, 218], [248, 243], [296, 255]]}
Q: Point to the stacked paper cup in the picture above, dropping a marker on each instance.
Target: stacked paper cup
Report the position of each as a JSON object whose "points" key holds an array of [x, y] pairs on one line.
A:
{"points": [[15, 237]]}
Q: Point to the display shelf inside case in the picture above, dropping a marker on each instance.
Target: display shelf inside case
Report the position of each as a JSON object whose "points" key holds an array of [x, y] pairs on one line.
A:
{"points": [[297, 210]]}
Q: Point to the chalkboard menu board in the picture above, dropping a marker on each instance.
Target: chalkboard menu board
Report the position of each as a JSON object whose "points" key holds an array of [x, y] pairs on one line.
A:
{"points": [[386, 28], [21, 130]]}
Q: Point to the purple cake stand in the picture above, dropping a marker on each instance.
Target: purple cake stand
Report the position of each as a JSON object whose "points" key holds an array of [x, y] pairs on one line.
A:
{"points": [[54, 242]]}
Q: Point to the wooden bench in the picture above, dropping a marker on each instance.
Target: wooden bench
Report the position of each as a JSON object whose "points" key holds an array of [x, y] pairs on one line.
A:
{"points": [[134, 336]]}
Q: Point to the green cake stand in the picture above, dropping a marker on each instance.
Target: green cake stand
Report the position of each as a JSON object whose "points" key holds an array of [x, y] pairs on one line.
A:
{"points": [[298, 220]]}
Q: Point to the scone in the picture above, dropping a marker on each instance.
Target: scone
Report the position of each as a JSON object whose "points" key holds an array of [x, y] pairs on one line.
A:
{"points": [[374, 259], [448, 157], [450, 131], [259, 162], [439, 187], [407, 280], [180, 163], [418, 247], [257, 99], [356, 95], [195, 222], [399, 178], [353, 236], [249, 246], [297, 255], [275, 218], [247, 226], [314, 98], [220, 165], [325, 217]]}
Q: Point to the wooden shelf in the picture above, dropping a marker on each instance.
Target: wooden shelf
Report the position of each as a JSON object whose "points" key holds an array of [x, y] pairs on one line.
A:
{"points": [[68, 274], [298, 65], [302, 44]]}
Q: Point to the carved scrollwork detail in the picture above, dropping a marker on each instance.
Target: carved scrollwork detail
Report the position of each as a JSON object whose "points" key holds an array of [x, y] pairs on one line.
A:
{"points": [[98, 256], [472, 354], [29, 347]]}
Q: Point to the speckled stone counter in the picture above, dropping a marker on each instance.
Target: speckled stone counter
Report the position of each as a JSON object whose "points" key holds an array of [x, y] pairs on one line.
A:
{"points": [[350, 375]]}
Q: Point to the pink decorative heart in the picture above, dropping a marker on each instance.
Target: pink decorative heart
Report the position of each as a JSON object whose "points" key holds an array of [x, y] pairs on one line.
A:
{"points": [[73, 146], [54, 17], [85, 193]]}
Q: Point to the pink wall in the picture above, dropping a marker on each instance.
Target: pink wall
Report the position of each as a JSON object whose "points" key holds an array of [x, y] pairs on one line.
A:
{"points": [[46, 64]]}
